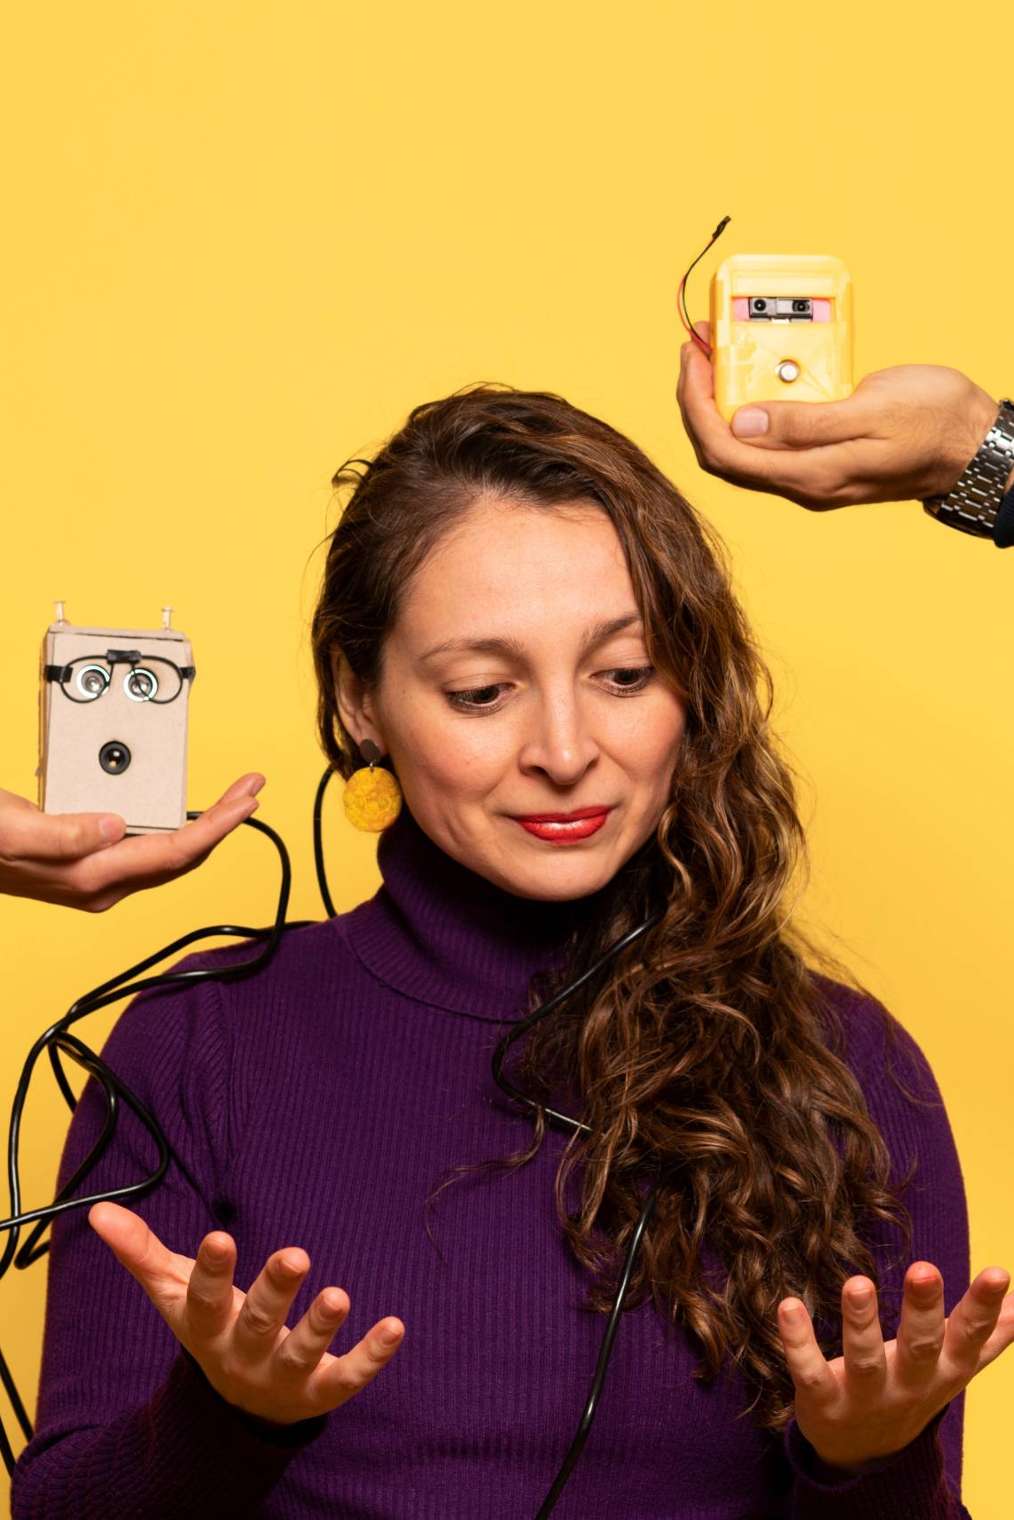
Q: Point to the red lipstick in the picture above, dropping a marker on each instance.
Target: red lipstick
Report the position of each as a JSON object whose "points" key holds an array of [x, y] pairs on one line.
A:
{"points": [[562, 828]]}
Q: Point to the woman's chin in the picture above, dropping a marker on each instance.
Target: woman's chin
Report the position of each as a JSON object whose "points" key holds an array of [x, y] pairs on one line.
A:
{"points": [[558, 878]]}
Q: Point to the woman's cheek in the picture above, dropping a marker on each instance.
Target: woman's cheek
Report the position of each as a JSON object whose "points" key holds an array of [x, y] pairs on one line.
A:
{"points": [[651, 739], [456, 762]]}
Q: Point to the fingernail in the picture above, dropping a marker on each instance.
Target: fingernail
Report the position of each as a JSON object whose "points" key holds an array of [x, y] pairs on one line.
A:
{"points": [[750, 423], [860, 1297], [110, 827], [390, 1336]]}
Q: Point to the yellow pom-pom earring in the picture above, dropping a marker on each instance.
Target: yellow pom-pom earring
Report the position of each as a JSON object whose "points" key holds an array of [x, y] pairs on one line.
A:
{"points": [[372, 796]]}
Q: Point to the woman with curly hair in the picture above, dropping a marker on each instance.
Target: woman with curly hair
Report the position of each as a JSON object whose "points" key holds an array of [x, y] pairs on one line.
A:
{"points": [[528, 627]]}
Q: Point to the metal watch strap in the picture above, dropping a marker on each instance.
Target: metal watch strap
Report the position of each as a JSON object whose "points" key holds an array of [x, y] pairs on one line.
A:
{"points": [[973, 502]]}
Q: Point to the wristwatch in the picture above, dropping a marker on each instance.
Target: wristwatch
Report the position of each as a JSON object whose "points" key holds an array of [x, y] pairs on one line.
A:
{"points": [[977, 502]]}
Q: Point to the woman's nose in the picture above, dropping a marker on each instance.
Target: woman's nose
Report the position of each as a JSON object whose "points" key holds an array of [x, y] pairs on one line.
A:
{"points": [[560, 742]]}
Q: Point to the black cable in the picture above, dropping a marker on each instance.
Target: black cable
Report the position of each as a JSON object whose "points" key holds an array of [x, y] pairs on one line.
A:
{"points": [[588, 1414], [516, 1031], [523, 1025], [318, 843]]}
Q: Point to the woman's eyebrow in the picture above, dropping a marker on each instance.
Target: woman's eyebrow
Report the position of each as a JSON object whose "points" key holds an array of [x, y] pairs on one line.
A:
{"points": [[596, 634]]}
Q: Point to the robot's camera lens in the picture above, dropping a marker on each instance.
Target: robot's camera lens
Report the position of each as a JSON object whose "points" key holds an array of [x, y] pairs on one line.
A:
{"points": [[114, 757], [760, 306], [800, 305]]}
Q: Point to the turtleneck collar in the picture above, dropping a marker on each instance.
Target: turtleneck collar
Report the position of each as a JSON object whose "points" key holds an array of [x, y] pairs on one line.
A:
{"points": [[444, 935]]}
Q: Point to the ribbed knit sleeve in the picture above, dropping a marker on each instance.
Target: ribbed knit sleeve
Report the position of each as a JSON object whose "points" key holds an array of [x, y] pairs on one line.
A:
{"points": [[127, 1424], [922, 1481]]}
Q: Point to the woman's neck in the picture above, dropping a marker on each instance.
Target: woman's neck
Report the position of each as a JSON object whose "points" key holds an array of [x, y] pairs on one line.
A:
{"points": [[443, 934]]}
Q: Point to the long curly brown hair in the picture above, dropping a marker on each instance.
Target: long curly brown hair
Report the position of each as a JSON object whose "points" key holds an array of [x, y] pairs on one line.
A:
{"points": [[711, 1047]]}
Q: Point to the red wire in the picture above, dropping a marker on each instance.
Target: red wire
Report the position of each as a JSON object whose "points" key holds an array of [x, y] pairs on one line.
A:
{"points": [[704, 346]]}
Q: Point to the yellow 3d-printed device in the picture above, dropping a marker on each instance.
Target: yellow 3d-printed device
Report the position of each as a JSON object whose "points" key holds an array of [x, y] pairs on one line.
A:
{"points": [[781, 329]]}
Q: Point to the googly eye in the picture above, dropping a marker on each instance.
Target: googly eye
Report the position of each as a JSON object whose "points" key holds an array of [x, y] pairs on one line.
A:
{"points": [[140, 684], [91, 681]]}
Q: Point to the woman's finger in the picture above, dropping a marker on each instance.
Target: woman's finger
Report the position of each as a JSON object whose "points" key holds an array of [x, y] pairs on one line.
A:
{"points": [[1002, 1336], [162, 1273], [972, 1322], [267, 1303], [921, 1329], [807, 1365], [343, 1376], [862, 1337], [211, 1295], [298, 1354]]}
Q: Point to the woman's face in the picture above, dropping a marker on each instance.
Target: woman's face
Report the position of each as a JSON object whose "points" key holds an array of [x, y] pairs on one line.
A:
{"points": [[516, 681]]}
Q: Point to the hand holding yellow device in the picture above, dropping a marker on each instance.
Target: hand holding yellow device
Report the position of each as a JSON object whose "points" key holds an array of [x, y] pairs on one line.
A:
{"points": [[781, 331]]}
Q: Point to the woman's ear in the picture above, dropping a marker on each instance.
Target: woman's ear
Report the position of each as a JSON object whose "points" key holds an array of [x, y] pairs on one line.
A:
{"points": [[353, 702]]}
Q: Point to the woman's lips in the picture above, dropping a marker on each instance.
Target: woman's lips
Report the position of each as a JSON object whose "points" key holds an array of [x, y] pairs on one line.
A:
{"points": [[562, 831]]}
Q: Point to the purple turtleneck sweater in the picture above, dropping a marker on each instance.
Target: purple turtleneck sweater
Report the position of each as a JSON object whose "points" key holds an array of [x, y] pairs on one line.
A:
{"points": [[317, 1104]]}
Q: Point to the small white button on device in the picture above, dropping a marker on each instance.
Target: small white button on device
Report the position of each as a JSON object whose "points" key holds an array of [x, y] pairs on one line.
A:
{"points": [[788, 370]]}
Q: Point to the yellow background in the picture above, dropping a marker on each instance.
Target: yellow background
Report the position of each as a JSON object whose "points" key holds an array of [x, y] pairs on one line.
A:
{"points": [[242, 240]]}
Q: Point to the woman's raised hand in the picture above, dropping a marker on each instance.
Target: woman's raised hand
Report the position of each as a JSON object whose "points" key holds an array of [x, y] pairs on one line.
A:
{"points": [[904, 434], [240, 1340], [876, 1398], [83, 860]]}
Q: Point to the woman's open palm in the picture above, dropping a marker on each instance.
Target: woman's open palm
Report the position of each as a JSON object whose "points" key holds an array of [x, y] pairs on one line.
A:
{"points": [[877, 1397], [240, 1340]]}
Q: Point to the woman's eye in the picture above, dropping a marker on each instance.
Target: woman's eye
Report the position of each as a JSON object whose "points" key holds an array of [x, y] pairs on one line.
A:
{"points": [[641, 674], [475, 698], [629, 680]]}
